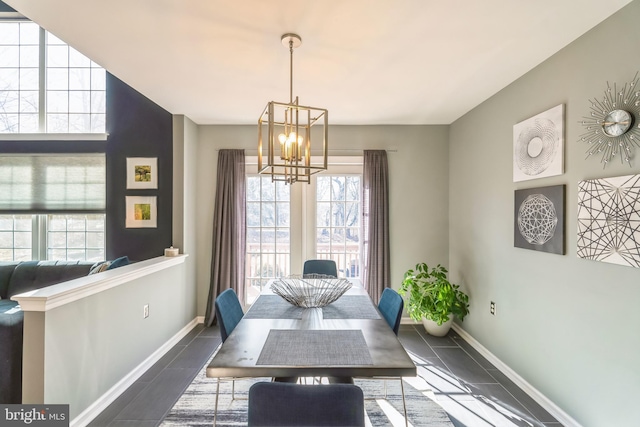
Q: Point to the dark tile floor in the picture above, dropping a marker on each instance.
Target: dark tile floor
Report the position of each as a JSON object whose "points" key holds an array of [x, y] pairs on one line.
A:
{"points": [[472, 391]]}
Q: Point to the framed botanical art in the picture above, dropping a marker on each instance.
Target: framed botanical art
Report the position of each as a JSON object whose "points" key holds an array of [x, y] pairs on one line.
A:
{"points": [[141, 212], [539, 219], [142, 173], [538, 145]]}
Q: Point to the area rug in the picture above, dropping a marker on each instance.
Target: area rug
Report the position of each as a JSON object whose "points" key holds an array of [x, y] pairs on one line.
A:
{"points": [[195, 407]]}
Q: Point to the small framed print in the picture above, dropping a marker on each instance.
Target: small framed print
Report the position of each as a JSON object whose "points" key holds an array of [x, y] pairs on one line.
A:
{"points": [[141, 212], [142, 173]]}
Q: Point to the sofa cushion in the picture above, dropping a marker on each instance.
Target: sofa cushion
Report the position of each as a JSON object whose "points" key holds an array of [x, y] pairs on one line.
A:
{"points": [[99, 267], [6, 270], [31, 275], [119, 262]]}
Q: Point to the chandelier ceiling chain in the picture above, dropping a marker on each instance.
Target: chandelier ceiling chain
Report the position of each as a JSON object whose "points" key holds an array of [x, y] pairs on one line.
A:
{"points": [[289, 127]]}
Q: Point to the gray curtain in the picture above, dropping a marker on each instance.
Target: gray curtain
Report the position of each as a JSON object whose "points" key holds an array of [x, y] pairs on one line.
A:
{"points": [[375, 211], [229, 219]]}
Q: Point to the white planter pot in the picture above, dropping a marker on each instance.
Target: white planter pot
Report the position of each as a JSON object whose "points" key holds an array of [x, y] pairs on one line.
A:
{"points": [[436, 330]]}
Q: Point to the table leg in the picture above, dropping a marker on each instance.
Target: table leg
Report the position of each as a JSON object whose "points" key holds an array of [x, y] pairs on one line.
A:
{"points": [[215, 410], [404, 404]]}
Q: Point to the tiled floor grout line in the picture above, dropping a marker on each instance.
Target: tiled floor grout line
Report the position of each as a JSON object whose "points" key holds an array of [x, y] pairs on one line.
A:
{"points": [[458, 379]]}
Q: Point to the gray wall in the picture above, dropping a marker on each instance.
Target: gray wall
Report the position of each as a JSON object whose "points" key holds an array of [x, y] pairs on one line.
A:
{"points": [[84, 359], [568, 326], [418, 187], [185, 200]]}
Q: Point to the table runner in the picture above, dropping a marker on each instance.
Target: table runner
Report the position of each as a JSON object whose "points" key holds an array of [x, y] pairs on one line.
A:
{"points": [[273, 307], [351, 307], [314, 348]]}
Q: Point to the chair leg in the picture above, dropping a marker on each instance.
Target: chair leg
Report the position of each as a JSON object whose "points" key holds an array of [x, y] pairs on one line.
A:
{"points": [[233, 389], [215, 409], [404, 404]]}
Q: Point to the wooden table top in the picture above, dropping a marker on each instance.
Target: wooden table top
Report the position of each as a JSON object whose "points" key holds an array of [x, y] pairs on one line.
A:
{"points": [[238, 355]]}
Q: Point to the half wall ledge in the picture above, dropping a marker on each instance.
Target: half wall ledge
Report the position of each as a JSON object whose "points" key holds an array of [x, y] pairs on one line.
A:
{"points": [[67, 292]]}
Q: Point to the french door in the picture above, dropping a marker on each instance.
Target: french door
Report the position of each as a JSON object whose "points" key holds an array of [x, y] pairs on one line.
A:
{"points": [[287, 224]]}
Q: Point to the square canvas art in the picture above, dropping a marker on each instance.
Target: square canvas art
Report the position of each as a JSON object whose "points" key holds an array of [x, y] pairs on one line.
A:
{"points": [[142, 173], [538, 145], [539, 219], [609, 220], [141, 212]]}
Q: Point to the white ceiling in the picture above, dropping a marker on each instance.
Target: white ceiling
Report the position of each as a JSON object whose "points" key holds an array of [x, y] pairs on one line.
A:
{"points": [[366, 61]]}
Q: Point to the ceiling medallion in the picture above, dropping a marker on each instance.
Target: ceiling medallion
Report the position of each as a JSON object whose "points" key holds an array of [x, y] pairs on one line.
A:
{"points": [[286, 128], [613, 128]]}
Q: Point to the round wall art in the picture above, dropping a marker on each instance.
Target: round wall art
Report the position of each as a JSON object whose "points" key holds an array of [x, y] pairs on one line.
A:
{"points": [[538, 145]]}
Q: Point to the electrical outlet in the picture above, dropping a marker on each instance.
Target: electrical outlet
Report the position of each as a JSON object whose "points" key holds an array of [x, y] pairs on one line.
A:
{"points": [[492, 308], [145, 312]]}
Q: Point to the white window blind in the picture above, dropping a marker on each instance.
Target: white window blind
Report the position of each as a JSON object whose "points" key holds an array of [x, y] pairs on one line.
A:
{"points": [[52, 183]]}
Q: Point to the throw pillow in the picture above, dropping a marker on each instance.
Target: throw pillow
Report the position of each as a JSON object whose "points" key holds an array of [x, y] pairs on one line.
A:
{"points": [[119, 262], [100, 267]]}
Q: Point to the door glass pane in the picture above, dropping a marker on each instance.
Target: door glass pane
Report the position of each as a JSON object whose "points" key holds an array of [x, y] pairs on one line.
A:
{"points": [[338, 222], [268, 239]]}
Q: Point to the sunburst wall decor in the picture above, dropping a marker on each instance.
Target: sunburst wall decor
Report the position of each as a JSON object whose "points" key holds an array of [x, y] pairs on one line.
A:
{"points": [[613, 126]]}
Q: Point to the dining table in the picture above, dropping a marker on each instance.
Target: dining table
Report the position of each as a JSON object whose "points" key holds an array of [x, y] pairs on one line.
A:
{"points": [[347, 338]]}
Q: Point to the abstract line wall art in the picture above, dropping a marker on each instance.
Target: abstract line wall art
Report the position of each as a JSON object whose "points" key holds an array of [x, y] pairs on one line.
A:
{"points": [[609, 220], [539, 219], [538, 145]]}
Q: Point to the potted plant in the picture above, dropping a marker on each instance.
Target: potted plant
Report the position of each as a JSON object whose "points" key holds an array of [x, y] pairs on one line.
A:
{"points": [[432, 299]]}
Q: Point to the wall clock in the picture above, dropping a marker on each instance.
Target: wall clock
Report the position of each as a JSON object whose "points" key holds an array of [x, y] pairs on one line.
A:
{"points": [[613, 126]]}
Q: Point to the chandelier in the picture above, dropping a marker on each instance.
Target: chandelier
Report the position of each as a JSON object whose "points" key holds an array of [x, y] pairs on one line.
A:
{"points": [[286, 131]]}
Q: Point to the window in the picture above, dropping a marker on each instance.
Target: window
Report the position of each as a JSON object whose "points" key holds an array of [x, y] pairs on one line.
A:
{"points": [[287, 224], [52, 207], [74, 237], [64, 93], [15, 237]]}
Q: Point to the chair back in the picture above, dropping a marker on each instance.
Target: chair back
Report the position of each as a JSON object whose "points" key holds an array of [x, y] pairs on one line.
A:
{"points": [[391, 305], [290, 404], [320, 266], [228, 311]]}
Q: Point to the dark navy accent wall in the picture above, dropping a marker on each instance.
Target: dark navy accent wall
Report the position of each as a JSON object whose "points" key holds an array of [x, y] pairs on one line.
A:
{"points": [[137, 127], [5, 7]]}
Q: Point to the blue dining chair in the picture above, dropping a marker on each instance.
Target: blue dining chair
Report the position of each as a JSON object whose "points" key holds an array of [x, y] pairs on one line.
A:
{"points": [[320, 266], [229, 312], [391, 305], [286, 404]]}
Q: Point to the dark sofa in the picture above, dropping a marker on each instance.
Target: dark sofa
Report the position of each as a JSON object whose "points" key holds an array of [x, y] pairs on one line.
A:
{"points": [[17, 278]]}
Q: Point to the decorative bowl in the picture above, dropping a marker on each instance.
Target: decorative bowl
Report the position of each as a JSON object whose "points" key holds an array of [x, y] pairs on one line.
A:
{"points": [[310, 290]]}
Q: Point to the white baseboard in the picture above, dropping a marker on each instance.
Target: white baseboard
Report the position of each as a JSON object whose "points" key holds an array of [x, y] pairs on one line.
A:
{"points": [[86, 416], [564, 418]]}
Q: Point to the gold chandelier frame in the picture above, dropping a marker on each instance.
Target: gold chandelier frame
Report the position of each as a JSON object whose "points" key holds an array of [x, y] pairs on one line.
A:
{"points": [[290, 129]]}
